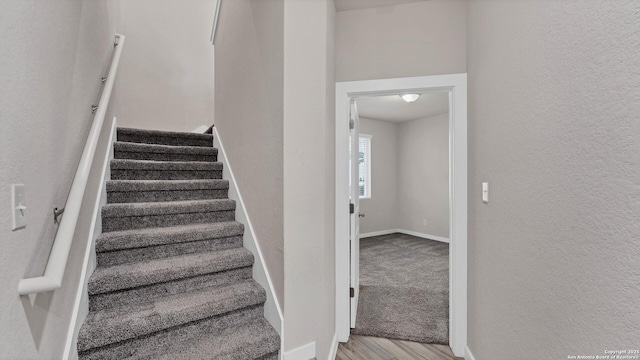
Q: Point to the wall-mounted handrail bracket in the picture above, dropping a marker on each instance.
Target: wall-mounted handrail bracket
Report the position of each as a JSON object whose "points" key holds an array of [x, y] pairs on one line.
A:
{"points": [[103, 79], [54, 271], [56, 214], [216, 15]]}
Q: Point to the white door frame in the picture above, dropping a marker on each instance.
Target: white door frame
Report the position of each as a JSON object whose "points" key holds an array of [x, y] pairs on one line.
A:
{"points": [[456, 84]]}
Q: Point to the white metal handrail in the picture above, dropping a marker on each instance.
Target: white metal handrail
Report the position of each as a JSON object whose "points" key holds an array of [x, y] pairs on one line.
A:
{"points": [[54, 273]]}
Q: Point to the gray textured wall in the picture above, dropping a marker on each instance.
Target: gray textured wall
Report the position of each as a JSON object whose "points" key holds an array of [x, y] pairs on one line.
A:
{"points": [[382, 208], [423, 175], [554, 101], [53, 55], [410, 176], [166, 80], [416, 39], [249, 116]]}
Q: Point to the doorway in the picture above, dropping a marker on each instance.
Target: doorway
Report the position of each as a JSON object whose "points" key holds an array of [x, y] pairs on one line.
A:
{"points": [[347, 220]]}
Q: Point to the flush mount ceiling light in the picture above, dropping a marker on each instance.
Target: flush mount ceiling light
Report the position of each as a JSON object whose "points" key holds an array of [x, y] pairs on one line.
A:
{"points": [[410, 97]]}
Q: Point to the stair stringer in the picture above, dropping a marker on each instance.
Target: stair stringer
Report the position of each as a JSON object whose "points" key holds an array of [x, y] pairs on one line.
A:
{"points": [[272, 309], [81, 303]]}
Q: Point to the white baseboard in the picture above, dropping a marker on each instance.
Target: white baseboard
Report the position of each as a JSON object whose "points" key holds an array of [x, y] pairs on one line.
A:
{"points": [[201, 129], [81, 304], [425, 236], [377, 233], [467, 353], [407, 232], [333, 351], [272, 309], [304, 352]]}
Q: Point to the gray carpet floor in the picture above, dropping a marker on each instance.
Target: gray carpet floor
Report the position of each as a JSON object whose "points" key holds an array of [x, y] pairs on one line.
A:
{"points": [[404, 289]]}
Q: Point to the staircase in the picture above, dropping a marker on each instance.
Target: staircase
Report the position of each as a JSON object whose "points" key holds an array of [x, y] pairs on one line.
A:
{"points": [[173, 280]]}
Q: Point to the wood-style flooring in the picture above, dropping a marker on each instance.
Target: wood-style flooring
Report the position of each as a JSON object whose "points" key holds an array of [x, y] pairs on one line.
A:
{"points": [[373, 348]]}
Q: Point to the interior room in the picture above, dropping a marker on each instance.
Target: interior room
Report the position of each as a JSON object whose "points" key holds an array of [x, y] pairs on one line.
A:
{"points": [[404, 217]]}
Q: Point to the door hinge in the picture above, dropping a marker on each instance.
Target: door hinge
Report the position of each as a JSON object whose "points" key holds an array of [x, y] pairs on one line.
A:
{"points": [[352, 208], [352, 124], [352, 292]]}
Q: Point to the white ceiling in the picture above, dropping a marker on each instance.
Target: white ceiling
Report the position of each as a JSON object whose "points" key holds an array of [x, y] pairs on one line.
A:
{"points": [[342, 5], [393, 108]]}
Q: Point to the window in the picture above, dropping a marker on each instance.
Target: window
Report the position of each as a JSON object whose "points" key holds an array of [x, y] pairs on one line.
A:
{"points": [[364, 166]]}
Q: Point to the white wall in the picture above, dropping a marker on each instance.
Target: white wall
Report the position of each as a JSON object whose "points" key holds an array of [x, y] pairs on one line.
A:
{"points": [[249, 117], [410, 176], [554, 98], [166, 80], [309, 115], [421, 38], [53, 56], [423, 175], [382, 208]]}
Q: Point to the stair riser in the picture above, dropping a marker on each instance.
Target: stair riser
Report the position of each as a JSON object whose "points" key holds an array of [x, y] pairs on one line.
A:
{"points": [[155, 291], [165, 140], [140, 222], [132, 174], [117, 197], [135, 155], [153, 345], [162, 251]]}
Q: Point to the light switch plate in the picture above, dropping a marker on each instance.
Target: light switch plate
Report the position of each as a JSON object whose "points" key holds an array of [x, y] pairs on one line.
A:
{"points": [[485, 192], [18, 207]]}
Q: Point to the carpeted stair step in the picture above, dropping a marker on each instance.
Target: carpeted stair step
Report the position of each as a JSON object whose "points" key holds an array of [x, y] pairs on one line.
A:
{"points": [[173, 279], [164, 137], [178, 338], [128, 216], [137, 151], [120, 247], [120, 324], [122, 169], [117, 285], [257, 340], [129, 191], [157, 290]]}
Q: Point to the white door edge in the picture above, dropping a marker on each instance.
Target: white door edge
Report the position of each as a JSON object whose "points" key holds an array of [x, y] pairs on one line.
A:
{"points": [[355, 219]]}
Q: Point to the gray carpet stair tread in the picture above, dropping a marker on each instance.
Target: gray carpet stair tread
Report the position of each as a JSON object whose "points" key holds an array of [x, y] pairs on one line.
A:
{"points": [[251, 341], [125, 164], [166, 185], [167, 207], [163, 149], [166, 134], [137, 238], [118, 324], [132, 275]]}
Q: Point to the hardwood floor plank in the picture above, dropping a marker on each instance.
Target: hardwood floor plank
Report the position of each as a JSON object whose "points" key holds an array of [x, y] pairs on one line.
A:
{"points": [[371, 344], [358, 351], [373, 348], [445, 349], [343, 355]]}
